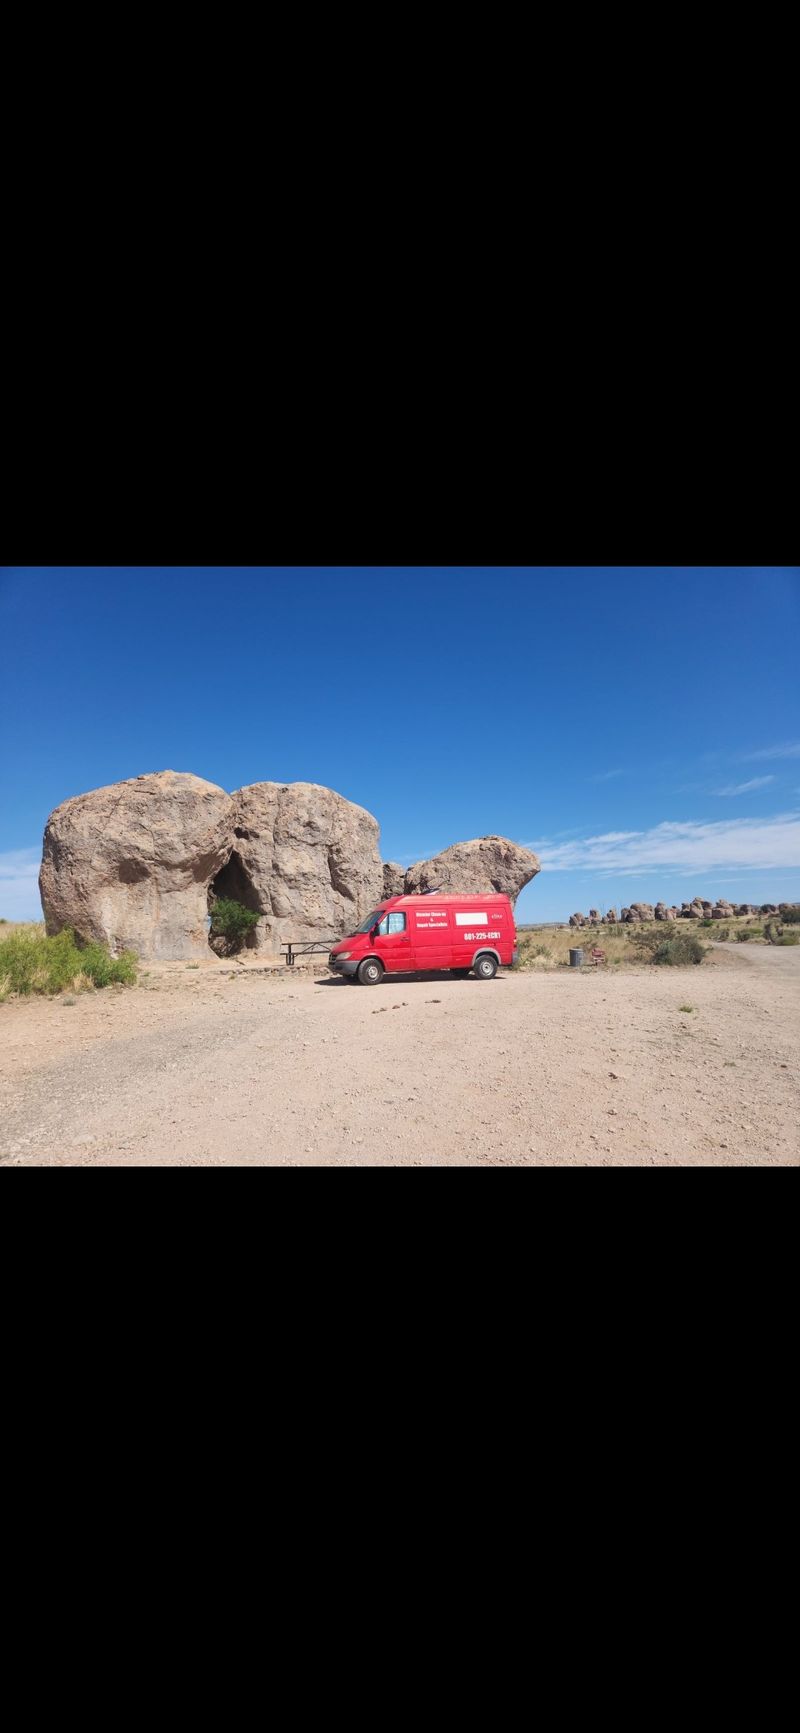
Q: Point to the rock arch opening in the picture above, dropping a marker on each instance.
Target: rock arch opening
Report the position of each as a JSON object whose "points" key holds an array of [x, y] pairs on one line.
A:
{"points": [[234, 881]]}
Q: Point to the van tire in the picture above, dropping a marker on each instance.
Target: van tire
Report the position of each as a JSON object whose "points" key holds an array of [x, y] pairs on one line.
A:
{"points": [[485, 967], [370, 972]]}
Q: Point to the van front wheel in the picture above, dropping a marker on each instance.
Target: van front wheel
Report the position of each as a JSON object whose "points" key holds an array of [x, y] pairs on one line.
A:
{"points": [[370, 972], [485, 968]]}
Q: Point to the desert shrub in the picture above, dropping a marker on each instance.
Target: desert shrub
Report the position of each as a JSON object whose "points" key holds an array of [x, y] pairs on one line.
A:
{"points": [[232, 922], [707, 922], [743, 934], [789, 939], [30, 962], [103, 970], [790, 914], [678, 949]]}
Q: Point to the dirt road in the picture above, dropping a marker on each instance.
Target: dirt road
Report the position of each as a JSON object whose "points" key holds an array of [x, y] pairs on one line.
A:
{"points": [[197, 1067]]}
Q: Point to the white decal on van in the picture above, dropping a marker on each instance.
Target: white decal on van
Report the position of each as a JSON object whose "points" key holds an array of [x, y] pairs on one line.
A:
{"points": [[472, 920]]}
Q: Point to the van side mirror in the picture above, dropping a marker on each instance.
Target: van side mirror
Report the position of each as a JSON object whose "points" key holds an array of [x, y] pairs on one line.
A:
{"points": [[374, 931]]}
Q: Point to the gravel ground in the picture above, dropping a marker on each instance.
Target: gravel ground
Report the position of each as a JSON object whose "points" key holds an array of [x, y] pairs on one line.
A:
{"points": [[201, 1067]]}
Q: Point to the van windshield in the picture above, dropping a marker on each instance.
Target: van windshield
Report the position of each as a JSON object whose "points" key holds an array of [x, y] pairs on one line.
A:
{"points": [[371, 921]]}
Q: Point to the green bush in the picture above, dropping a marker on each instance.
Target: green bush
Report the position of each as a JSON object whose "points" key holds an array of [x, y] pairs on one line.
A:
{"points": [[34, 963], [790, 915], [743, 935], [103, 969], [232, 921], [674, 946], [678, 949], [789, 939]]}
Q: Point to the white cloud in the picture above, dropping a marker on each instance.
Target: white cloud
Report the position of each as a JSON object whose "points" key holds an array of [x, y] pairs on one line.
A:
{"points": [[19, 890], [607, 775], [790, 749], [745, 844], [745, 787]]}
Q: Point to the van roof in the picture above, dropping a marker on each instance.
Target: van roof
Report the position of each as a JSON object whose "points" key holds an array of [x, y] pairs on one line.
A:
{"points": [[432, 900]]}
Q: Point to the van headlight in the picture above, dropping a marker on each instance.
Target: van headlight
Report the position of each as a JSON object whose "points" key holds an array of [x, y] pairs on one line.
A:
{"points": [[343, 956]]}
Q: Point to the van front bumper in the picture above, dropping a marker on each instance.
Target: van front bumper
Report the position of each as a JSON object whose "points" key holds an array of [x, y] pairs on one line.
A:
{"points": [[343, 967]]}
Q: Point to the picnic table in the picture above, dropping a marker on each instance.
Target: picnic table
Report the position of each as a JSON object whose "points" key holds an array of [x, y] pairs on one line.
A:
{"points": [[305, 948]]}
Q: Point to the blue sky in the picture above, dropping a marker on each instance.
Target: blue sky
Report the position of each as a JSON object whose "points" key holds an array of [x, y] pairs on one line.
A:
{"points": [[638, 727]]}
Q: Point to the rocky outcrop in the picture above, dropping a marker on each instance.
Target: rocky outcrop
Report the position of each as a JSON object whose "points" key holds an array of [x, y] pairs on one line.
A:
{"points": [[139, 864], [394, 879], [697, 910], [130, 865], [483, 865], [305, 858]]}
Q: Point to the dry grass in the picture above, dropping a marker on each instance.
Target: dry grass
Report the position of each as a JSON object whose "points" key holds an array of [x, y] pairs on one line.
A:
{"points": [[549, 947]]}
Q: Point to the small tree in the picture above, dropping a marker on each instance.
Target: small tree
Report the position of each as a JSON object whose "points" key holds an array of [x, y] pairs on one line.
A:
{"points": [[231, 922]]}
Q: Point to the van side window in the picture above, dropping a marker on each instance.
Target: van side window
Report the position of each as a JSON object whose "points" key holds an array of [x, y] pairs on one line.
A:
{"points": [[395, 922]]}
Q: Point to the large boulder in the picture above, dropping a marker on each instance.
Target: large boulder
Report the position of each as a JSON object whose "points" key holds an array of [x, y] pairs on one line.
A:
{"points": [[478, 867], [130, 865], [305, 858], [642, 911], [394, 879], [577, 920]]}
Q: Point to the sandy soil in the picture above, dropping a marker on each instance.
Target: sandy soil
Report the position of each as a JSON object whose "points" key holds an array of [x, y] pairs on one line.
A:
{"points": [[199, 1067]]}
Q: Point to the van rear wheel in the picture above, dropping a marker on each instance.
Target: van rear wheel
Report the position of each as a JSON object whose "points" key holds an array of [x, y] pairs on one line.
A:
{"points": [[370, 972], [485, 967]]}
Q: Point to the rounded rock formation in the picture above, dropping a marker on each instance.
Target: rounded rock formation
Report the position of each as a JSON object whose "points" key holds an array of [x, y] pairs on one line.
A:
{"points": [[480, 866], [394, 879], [130, 865], [305, 858]]}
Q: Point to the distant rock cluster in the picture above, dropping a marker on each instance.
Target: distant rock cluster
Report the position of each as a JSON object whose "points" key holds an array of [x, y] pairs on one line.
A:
{"points": [[139, 864], [697, 910]]}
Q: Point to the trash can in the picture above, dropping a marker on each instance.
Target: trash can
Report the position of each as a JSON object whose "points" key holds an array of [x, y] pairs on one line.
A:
{"points": [[575, 959]]}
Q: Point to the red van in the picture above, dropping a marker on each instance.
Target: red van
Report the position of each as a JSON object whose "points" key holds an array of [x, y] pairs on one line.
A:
{"points": [[406, 934]]}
